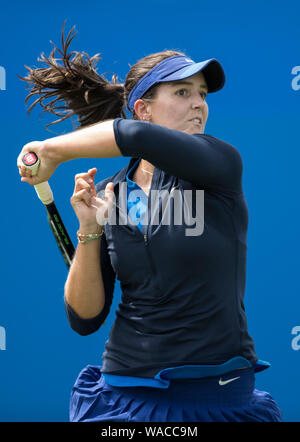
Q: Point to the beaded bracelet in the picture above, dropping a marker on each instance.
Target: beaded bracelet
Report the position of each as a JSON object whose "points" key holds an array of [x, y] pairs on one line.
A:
{"points": [[84, 237]]}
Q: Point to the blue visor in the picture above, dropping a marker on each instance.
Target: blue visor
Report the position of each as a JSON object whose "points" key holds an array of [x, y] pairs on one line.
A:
{"points": [[177, 68]]}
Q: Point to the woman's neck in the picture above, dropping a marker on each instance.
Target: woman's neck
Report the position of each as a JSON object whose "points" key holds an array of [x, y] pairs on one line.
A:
{"points": [[143, 174], [146, 167]]}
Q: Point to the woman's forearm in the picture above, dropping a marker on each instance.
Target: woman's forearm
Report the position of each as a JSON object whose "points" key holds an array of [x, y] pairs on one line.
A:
{"points": [[84, 288], [95, 141]]}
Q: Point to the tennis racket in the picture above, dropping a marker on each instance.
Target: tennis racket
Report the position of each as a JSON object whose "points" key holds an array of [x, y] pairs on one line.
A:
{"points": [[44, 192]]}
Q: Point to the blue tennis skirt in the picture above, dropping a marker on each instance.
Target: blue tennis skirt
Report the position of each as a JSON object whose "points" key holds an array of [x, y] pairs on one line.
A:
{"points": [[209, 399]]}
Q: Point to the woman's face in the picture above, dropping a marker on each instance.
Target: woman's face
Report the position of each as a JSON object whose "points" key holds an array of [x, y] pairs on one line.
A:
{"points": [[180, 105]]}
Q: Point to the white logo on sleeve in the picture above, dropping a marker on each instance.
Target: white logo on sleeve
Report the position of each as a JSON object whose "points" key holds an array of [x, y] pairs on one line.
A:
{"points": [[227, 381]]}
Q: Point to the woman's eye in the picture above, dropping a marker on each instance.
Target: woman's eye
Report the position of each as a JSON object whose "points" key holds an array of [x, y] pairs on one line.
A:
{"points": [[184, 93], [181, 92]]}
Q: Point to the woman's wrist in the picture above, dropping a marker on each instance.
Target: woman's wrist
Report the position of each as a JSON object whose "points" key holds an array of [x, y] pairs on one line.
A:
{"points": [[51, 152], [90, 229], [83, 238]]}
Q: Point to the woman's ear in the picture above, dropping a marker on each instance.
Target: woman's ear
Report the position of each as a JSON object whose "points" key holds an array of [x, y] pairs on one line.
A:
{"points": [[142, 110]]}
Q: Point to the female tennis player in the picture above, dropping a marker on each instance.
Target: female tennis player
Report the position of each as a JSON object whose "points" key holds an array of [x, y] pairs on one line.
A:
{"points": [[179, 349]]}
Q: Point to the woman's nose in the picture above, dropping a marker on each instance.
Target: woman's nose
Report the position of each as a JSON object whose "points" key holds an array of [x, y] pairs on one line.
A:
{"points": [[198, 102]]}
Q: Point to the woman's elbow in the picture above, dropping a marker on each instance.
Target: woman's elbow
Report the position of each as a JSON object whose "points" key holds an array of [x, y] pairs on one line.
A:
{"points": [[84, 331]]}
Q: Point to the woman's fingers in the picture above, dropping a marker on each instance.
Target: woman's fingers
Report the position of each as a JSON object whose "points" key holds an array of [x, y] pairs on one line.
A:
{"points": [[87, 177], [104, 198], [24, 171], [26, 174], [84, 187], [81, 183], [104, 206], [109, 193], [81, 195]]}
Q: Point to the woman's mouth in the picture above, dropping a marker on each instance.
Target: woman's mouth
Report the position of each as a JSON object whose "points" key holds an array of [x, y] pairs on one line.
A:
{"points": [[196, 121]]}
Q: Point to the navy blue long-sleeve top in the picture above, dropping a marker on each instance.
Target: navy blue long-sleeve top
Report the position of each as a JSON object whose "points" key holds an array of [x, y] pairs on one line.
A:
{"points": [[182, 296]]}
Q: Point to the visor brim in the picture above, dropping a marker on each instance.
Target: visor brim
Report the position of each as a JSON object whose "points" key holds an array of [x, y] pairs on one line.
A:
{"points": [[211, 69]]}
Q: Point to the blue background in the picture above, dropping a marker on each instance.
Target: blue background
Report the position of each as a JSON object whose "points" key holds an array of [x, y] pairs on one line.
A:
{"points": [[257, 112]]}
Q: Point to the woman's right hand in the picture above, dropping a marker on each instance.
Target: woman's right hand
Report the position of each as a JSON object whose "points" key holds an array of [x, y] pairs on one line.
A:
{"points": [[47, 163], [92, 212]]}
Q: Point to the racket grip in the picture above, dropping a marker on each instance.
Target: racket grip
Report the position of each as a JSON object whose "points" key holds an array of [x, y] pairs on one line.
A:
{"points": [[43, 190]]}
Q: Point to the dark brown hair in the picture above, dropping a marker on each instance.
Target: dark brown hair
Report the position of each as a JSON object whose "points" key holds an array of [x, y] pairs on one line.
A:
{"points": [[73, 87]]}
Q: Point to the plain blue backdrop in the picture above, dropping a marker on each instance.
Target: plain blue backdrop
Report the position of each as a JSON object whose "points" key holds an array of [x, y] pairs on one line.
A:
{"points": [[257, 111]]}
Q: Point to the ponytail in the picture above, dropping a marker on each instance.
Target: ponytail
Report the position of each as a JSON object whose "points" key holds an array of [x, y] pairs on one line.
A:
{"points": [[74, 87]]}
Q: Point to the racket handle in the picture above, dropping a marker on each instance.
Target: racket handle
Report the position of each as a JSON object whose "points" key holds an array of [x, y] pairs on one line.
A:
{"points": [[43, 190]]}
